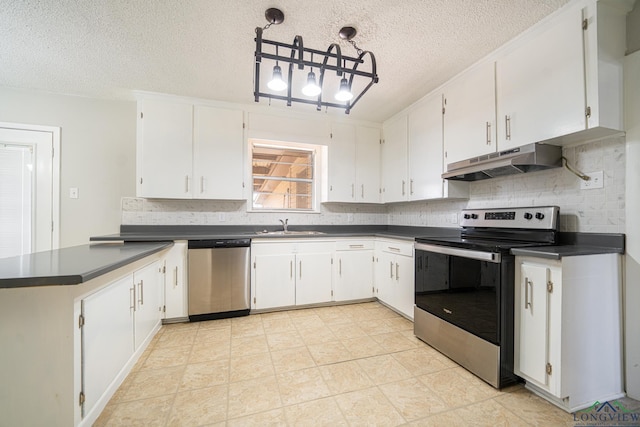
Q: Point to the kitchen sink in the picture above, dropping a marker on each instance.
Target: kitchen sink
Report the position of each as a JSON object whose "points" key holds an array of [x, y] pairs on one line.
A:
{"points": [[291, 233]]}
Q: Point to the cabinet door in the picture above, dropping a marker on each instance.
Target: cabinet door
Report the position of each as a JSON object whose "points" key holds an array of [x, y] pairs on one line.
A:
{"points": [[367, 164], [470, 114], [164, 151], [313, 278], [342, 160], [175, 282], [541, 85], [353, 275], [274, 278], [384, 277], [148, 289], [404, 285], [394, 160], [534, 327], [425, 150], [107, 337], [218, 165]]}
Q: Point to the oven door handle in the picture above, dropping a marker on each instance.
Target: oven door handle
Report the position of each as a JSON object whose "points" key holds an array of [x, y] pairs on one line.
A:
{"points": [[463, 253]]}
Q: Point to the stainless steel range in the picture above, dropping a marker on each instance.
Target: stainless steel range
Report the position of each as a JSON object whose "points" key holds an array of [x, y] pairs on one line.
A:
{"points": [[464, 286]]}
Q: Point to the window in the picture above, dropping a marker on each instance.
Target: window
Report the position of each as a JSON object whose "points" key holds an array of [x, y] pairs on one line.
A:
{"points": [[283, 177]]}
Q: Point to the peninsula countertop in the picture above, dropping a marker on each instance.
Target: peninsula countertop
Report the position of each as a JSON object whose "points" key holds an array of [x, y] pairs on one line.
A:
{"points": [[73, 265]]}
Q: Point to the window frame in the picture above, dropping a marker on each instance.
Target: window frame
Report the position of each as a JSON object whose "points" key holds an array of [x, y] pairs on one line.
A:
{"points": [[317, 156]]}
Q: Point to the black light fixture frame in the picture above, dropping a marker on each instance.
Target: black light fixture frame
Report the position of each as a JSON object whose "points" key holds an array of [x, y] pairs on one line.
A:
{"points": [[343, 64]]}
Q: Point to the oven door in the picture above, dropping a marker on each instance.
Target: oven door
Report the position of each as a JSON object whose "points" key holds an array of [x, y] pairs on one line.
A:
{"points": [[460, 286]]}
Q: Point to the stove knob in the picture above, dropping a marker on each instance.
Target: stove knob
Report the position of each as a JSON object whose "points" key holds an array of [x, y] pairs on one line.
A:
{"points": [[474, 216], [539, 215], [467, 216], [527, 215]]}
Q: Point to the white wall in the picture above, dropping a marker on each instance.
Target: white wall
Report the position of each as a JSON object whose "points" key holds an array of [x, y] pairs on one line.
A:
{"points": [[632, 258], [97, 155], [597, 210]]}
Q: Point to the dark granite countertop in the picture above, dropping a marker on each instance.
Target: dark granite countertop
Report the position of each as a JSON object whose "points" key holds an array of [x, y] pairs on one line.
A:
{"points": [[71, 266], [151, 233], [576, 244]]}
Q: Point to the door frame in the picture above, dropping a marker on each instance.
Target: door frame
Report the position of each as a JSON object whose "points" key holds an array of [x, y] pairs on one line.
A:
{"points": [[55, 174]]}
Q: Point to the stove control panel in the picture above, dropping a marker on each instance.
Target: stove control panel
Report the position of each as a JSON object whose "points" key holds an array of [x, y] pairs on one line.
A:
{"points": [[535, 217]]}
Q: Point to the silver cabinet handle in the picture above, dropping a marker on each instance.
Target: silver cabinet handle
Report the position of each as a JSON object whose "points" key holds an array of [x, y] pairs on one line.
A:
{"points": [[202, 184], [403, 184], [291, 269], [362, 191], [141, 299], [301, 269], [391, 248], [340, 267], [507, 127], [353, 191], [132, 298], [488, 133], [397, 271], [527, 283], [356, 246], [391, 271], [175, 276], [186, 183], [411, 187]]}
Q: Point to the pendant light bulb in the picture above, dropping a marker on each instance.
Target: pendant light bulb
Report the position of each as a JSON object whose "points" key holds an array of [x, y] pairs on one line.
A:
{"points": [[276, 83], [311, 88], [344, 94]]}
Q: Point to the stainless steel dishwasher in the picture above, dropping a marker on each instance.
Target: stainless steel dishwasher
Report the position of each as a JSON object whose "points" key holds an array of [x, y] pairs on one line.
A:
{"points": [[219, 284]]}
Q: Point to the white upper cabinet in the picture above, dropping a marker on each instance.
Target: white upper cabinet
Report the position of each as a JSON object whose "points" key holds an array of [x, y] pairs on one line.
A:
{"points": [[541, 85], [164, 151], [563, 83], [367, 164], [469, 114], [342, 160], [394, 160], [354, 164], [187, 152], [218, 153]]}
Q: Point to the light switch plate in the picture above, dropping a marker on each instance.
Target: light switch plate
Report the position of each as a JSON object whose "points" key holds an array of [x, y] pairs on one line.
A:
{"points": [[73, 192], [596, 181]]}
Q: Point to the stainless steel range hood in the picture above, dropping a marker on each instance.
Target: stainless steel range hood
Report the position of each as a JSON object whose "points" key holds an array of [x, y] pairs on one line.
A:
{"points": [[528, 158]]}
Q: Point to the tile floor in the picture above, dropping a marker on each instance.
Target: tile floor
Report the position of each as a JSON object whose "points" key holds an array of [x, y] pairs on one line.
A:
{"points": [[345, 365]]}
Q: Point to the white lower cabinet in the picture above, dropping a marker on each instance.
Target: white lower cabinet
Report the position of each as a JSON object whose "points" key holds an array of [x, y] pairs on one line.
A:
{"points": [[290, 273], [568, 331], [394, 275], [353, 272], [118, 320], [175, 283]]}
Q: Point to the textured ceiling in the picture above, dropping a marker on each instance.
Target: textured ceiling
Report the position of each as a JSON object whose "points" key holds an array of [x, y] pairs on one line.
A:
{"points": [[204, 48]]}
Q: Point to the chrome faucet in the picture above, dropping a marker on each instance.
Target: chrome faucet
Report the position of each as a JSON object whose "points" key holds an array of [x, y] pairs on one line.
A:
{"points": [[285, 224]]}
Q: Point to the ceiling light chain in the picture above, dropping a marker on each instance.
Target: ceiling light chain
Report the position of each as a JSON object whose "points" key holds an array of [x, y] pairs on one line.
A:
{"points": [[344, 65]]}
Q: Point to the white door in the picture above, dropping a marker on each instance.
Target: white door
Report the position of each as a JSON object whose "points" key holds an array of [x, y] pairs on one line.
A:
{"points": [[367, 164], [534, 327], [218, 166], [425, 150], [29, 189], [274, 277], [165, 149], [342, 161], [541, 85], [394, 160], [313, 278], [470, 114], [147, 283], [107, 337]]}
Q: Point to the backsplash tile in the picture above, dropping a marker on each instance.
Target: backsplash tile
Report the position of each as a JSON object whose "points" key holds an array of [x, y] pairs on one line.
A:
{"points": [[599, 210]]}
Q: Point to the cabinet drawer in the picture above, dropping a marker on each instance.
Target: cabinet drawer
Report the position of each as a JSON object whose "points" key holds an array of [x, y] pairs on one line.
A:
{"points": [[354, 245], [395, 247]]}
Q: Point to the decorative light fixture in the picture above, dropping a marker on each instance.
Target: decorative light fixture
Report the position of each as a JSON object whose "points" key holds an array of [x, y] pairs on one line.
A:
{"points": [[345, 67]]}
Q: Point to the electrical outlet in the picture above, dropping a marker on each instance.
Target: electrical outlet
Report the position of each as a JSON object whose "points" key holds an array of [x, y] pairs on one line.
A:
{"points": [[222, 217], [349, 217], [73, 193], [596, 181]]}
